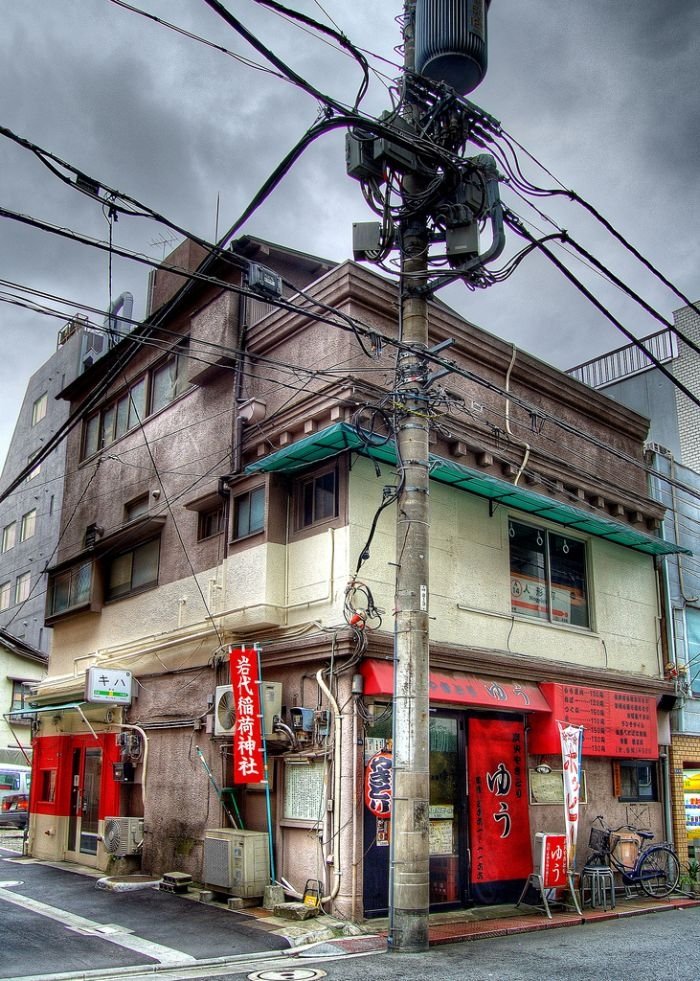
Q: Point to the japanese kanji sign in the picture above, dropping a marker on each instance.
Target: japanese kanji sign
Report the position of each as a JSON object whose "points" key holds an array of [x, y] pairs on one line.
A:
{"points": [[378, 784], [108, 686], [617, 723], [499, 815], [248, 761], [571, 740], [553, 867]]}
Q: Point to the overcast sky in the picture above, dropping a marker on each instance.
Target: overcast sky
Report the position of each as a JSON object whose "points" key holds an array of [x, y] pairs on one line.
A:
{"points": [[603, 93]]}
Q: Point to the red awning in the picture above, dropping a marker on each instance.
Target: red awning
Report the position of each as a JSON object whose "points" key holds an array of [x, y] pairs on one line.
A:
{"points": [[460, 689]]}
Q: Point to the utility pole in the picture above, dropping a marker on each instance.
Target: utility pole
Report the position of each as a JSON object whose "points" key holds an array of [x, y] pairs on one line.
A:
{"points": [[409, 881], [444, 197]]}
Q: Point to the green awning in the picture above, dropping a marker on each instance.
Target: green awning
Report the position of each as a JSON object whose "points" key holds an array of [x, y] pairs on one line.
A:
{"points": [[341, 436], [56, 709]]}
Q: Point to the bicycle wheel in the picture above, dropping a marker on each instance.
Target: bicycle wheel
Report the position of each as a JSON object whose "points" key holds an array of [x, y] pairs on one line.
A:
{"points": [[658, 871]]}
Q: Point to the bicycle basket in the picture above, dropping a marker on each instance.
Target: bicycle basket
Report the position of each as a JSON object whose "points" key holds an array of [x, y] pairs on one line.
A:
{"points": [[599, 840]]}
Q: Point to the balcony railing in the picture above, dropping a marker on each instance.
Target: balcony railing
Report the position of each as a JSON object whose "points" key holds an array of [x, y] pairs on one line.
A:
{"points": [[626, 361]]}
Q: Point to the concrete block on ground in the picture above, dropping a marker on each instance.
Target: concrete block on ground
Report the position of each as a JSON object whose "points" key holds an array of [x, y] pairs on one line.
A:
{"points": [[297, 911], [274, 896]]}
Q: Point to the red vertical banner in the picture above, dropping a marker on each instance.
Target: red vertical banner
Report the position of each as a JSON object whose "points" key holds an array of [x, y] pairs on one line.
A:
{"points": [[248, 763], [499, 826]]}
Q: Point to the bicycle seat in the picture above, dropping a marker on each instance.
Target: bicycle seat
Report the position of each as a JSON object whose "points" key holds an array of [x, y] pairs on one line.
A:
{"points": [[646, 835]]}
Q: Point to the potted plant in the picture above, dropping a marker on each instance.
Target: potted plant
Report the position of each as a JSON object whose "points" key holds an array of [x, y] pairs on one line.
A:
{"points": [[691, 878]]}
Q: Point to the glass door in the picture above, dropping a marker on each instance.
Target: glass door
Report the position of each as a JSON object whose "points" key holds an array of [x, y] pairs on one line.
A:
{"points": [[447, 808], [86, 775]]}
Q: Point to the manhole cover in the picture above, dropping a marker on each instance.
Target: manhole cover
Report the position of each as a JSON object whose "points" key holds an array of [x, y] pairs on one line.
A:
{"points": [[288, 974]]}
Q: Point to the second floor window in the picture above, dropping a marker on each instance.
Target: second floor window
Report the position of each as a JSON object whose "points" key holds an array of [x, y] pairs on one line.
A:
{"points": [[5, 595], [28, 526], [249, 513], [548, 578], [210, 522], [133, 571], [317, 498]]}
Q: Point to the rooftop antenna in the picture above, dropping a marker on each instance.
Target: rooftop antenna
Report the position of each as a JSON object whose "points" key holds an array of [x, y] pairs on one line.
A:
{"points": [[164, 243]]}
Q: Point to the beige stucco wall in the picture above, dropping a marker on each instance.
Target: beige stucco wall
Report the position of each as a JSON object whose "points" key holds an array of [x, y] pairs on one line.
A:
{"points": [[470, 583], [271, 585]]}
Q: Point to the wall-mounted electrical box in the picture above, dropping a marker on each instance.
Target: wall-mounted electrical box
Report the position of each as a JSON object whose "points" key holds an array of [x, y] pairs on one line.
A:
{"points": [[302, 719]]}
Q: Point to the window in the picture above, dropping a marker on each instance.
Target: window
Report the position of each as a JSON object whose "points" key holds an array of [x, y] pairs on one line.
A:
{"points": [[5, 595], [69, 589], [19, 696], [137, 507], [35, 471], [249, 513], [9, 536], [39, 408], [47, 785], [28, 525], [134, 570], [169, 379], [548, 575], [635, 781], [317, 498], [210, 522], [22, 587], [115, 419]]}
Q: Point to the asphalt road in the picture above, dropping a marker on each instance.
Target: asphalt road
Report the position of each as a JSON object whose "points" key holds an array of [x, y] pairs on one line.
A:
{"points": [[104, 934]]}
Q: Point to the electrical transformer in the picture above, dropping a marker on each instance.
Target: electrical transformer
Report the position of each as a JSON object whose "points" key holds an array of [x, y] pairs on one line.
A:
{"points": [[451, 42]]}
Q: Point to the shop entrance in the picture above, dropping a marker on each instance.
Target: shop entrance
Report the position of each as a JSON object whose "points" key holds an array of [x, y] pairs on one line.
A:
{"points": [[83, 820], [479, 815]]}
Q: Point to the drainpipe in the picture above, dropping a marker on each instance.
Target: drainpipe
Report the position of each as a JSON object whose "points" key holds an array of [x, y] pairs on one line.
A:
{"points": [[666, 782], [337, 751]]}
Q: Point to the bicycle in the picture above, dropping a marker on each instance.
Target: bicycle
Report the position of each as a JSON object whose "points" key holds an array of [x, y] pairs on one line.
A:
{"points": [[654, 868]]}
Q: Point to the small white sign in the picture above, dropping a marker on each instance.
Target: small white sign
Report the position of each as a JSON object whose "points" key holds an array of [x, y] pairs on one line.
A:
{"points": [[108, 686]]}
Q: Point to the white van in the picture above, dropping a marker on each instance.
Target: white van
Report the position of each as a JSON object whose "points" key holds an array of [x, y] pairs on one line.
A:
{"points": [[14, 779]]}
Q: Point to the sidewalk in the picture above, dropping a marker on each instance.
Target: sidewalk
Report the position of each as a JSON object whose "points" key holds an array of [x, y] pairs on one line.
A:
{"points": [[66, 923]]}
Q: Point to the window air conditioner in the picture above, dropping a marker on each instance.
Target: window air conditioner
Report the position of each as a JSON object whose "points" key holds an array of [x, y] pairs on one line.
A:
{"points": [[123, 835]]}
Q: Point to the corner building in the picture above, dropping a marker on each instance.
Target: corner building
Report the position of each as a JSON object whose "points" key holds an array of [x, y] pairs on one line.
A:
{"points": [[226, 490]]}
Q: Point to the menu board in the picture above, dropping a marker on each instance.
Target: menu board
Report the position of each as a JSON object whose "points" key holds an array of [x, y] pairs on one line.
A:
{"points": [[616, 724]]}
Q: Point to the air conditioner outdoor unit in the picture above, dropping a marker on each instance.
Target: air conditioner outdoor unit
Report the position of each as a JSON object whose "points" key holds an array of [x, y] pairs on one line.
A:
{"points": [[123, 835], [224, 710], [236, 861]]}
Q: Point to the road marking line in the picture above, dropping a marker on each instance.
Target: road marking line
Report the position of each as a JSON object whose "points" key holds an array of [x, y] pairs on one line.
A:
{"points": [[160, 953]]}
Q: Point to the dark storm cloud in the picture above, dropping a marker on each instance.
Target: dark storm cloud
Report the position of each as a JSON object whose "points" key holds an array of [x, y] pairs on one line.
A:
{"points": [[602, 92]]}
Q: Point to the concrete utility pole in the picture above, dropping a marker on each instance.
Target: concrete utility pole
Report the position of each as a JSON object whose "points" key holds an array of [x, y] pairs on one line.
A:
{"points": [[410, 825]]}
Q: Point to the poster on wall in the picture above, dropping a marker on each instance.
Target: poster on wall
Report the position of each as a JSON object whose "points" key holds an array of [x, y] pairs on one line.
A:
{"points": [[691, 800], [499, 823]]}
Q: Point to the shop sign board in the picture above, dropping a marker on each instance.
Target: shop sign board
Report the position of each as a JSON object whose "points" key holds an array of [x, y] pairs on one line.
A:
{"points": [[108, 686], [552, 859], [616, 724]]}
